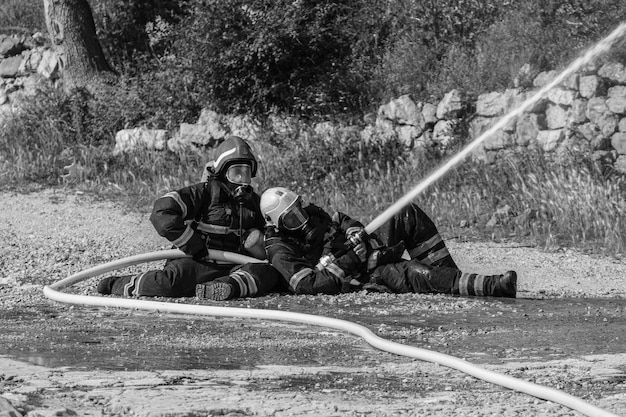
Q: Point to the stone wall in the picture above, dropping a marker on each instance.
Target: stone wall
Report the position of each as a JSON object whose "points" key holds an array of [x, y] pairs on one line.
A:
{"points": [[25, 64], [586, 113]]}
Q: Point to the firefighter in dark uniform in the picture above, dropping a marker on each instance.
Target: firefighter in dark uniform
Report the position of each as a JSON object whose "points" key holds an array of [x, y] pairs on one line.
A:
{"points": [[316, 253], [221, 213]]}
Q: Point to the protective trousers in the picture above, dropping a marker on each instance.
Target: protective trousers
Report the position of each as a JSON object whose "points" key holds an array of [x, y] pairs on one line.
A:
{"points": [[179, 277], [419, 234], [415, 277]]}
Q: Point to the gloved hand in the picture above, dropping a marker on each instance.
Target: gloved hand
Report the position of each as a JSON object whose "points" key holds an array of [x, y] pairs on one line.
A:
{"points": [[385, 255], [391, 254], [361, 251], [254, 243], [356, 235]]}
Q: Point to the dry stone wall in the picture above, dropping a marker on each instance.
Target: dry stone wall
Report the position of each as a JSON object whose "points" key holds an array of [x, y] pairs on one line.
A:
{"points": [[586, 113], [25, 64]]}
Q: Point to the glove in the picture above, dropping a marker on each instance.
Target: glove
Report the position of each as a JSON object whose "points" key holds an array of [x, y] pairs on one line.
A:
{"points": [[254, 243], [385, 255], [391, 254], [356, 235], [361, 251]]}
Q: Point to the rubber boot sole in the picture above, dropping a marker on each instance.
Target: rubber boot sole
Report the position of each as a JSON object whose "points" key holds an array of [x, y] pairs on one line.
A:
{"points": [[216, 291]]}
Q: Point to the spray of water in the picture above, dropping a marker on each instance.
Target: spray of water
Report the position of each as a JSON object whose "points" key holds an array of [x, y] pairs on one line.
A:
{"points": [[601, 47]]}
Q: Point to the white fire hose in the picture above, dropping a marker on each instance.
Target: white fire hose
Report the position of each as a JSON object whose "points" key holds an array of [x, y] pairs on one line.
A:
{"points": [[53, 292], [529, 388]]}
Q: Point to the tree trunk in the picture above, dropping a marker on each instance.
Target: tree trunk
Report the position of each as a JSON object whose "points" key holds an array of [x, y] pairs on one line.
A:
{"points": [[70, 25]]}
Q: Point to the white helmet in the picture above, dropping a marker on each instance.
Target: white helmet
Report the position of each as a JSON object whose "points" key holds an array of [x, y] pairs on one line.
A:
{"points": [[283, 208]]}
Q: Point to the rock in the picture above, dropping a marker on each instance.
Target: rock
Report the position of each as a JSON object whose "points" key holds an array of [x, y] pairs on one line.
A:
{"points": [[49, 66], [618, 141], [616, 101], [403, 111], [544, 78], [490, 104], [429, 113], [591, 86], [599, 113], [613, 71], [562, 96], [7, 409], [592, 134], [452, 105], [550, 139], [528, 127], [129, 140], [443, 133], [556, 116], [9, 67], [407, 135], [10, 46], [577, 113], [199, 135], [620, 164]]}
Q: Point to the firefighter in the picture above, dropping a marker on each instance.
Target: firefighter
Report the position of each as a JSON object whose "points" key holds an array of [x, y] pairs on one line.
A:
{"points": [[220, 212], [316, 253]]}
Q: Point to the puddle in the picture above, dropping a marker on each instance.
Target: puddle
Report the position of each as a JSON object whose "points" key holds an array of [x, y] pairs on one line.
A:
{"points": [[480, 330]]}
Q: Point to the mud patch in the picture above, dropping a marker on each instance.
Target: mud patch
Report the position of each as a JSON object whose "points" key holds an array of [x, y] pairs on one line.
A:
{"points": [[484, 330]]}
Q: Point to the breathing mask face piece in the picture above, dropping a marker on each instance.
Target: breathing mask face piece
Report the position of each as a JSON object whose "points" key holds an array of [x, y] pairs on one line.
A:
{"points": [[294, 218], [240, 174]]}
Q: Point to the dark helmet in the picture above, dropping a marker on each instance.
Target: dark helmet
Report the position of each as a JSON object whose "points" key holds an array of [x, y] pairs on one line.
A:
{"points": [[233, 150]]}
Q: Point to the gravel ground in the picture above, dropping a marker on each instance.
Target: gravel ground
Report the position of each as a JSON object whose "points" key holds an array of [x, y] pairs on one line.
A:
{"points": [[291, 369]]}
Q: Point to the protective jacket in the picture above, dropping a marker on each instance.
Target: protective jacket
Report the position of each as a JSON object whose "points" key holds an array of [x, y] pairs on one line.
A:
{"points": [[206, 215]]}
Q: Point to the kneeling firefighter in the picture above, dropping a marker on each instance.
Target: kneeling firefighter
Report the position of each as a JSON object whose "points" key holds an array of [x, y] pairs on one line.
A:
{"points": [[220, 212], [318, 253]]}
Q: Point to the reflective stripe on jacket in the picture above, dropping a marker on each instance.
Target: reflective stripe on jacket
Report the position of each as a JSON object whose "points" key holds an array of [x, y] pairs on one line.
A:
{"points": [[189, 216]]}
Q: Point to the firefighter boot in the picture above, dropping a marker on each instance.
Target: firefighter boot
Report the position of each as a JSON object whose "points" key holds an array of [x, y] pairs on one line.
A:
{"points": [[113, 285], [486, 285], [215, 290]]}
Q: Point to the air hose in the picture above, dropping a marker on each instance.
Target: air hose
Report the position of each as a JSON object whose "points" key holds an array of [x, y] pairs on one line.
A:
{"points": [[54, 292]]}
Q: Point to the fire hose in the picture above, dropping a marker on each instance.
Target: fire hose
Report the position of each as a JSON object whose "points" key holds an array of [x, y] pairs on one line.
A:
{"points": [[54, 292]]}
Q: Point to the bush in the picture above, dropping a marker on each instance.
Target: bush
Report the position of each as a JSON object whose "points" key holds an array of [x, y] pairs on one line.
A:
{"points": [[23, 16], [136, 33], [294, 56]]}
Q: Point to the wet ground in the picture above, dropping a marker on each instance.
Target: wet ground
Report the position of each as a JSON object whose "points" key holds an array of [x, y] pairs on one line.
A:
{"points": [[481, 330]]}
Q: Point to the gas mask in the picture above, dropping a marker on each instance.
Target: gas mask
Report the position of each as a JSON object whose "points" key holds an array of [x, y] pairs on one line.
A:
{"points": [[297, 220], [242, 194], [240, 174]]}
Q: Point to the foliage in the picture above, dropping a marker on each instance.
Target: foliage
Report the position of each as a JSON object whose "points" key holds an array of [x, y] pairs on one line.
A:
{"points": [[334, 57], [287, 55], [135, 33], [22, 16]]}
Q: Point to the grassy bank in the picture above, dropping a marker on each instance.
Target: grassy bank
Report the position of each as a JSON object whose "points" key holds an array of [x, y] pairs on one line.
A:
{"points": [[522, 197]]}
